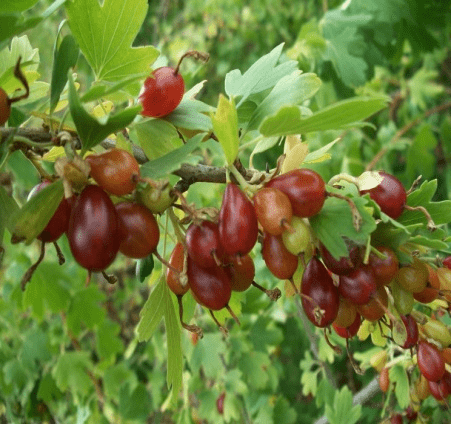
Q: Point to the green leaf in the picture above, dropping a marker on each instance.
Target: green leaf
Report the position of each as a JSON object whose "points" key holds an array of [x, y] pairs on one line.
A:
{"points": [[70, 372], [321, 154], [9, 209], [292, 89], [264, 333], [262, 75], [64, 58], [106, 33], [144, 267], [335, 221], [114, 378], [172, 161], [254, 366], [342, 410], [32, 218], [191, 115], [175, 357], [108, 343], [398, 376], [9, 6], [341, 115], [421, 158], [48, 390], [135, 405], [156, 137], [225, 126], [440, 211], [85, 309], [283, 412], [15, 373], [89, 129], [11, 25], [152, 312], [35, 349], [207, 355]]}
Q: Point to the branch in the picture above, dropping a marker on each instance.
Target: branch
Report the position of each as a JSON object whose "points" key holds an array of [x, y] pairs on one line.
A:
{"points": [[189, 174]]}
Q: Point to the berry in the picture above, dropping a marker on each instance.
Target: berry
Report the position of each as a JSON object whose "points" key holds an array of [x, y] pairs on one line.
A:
{"points": [[359, 286], [396, 419], [320, 298], [140, 230], [5, 107], [172, 280], [273, 209], [94, 232], [238, 226], [341, 266], [59, 222], [403, 299], [278, 259], [390, 195], [348, 332], [413, 278], [412, 331], [241, 273], [163, 92], [202, 241], [305, 189], [384, 380], [447, 262], [430, 361], [115, 170], [373, 311], [299, 241], [384, 270], [220, 403], [346, 313], [211, 287]]}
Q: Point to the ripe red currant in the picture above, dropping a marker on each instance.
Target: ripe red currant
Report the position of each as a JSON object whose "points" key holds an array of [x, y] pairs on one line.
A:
{"points": [[59, 223], [115, 170], [139, 230], [202, 241], [94, 232], [359, 286], [390, 195], [430, 361], [5, 107], [384, 270], [273, 209], [278, 259], [163, 92]]}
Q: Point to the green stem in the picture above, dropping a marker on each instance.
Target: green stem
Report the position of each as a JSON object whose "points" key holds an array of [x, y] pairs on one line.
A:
{"points": [[28, 142]]}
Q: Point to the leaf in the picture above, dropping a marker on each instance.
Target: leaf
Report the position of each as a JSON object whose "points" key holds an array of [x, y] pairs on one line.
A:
{"points": [[32, 218], [108, 343], [321, 154], [398, 376], [152, 312], [70, 372], [9, 209], [292, 89], [156, 137], [335, 221], [64, 58], [135, 405], [10, 6], [207, 355], [295, 157], [89, 129], [172, 161], [191, 115], [254, 366], [11, 25], [35, 349], [423, 87], [106, 33], [341, 115], [262, 75], [342, 410], [440, 211], [115, 376], [225, 126], [175, 357], [421, 158], [144, 267]]}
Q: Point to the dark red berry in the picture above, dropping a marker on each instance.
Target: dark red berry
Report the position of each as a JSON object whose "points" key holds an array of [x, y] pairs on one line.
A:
{"points": [[211, 286], [430, 361], [59, 222], [241, 273], [447, 262], [163, 92], [412, 331], [384, 270], [348, 332], [238, 226], [140, 230], [359, 286], [345, 264], [220, 403], [320, 298], [390, 195], [278, 259], [94, 232], [305, 189], [396, 419], [204, 247], [5, 107]]}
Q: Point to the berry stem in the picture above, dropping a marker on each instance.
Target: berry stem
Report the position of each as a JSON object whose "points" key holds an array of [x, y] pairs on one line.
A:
{"points": [[233, 314], [59, 253], [21, 77], [192, 328], [27, 277], [356, 217], [110, 278], [335, 348], [223, 329], [273, 294], [431, 224], [194, 54]]}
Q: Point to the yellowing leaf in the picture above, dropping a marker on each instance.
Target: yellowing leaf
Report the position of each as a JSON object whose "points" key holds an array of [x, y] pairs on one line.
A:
{"points": [[103, 109], [369, 180], [295, 157], [290, 142], [54, 153]]}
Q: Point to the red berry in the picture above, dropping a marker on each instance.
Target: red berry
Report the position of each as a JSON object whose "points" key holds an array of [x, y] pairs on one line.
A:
{"points": [[94, 232], [59, 222], [390, 195], [202, 241], [238, 226], [5, 107], [359, 286], [345, 264], [447, 262], [384, 270], [241, 273], [412, 331], [320, 298], [220, 403], [140, 230], [278, 259], [384, 380], [396, 419], [211, 286], [348, 332], [373, 311], [172, 280], [115, 170], [273, 209], [305, 189], [163, 92], [430, 361]]}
